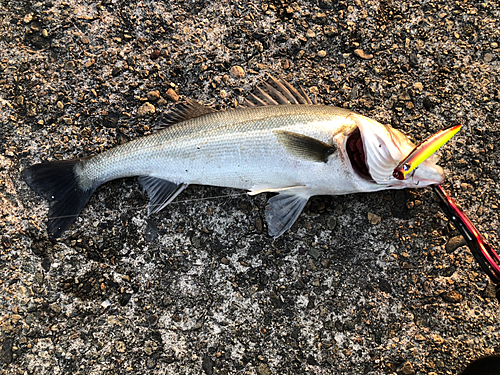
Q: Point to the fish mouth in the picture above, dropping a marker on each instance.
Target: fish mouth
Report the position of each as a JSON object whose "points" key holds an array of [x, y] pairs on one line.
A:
{"points": [[374, 150], [357, 156]]}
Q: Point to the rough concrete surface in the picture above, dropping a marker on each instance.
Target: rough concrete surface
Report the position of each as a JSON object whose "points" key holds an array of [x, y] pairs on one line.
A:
{"points": [[361, 284]]}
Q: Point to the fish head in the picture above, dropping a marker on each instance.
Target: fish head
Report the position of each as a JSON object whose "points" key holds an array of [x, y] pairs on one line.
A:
{"points": [[374, 151]]}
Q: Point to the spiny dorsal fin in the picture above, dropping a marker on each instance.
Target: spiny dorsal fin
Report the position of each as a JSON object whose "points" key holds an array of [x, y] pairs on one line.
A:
{"points": [[186, 110], [277, 92], [305, 147]]}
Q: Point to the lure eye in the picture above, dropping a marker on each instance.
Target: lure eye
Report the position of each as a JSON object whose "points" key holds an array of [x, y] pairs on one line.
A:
{"points": [[406, 167]]}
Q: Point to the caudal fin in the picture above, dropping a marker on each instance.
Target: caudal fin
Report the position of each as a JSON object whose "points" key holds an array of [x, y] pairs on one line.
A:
{"points": [[56, 181]]}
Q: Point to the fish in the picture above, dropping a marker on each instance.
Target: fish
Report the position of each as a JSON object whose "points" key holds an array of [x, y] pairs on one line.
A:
{"points": [[277, 141]]}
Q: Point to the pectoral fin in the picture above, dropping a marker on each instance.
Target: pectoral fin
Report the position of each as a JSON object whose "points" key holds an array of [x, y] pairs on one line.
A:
{"points": [[160, 192], [282, 211], [305, 147]]}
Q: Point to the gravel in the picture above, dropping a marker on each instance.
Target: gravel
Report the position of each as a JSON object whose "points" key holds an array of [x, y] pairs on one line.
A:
{"points": [[360, 284]]}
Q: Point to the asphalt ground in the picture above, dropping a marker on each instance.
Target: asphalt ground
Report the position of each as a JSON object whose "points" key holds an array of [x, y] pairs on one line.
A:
{"points": [[362, 284]]}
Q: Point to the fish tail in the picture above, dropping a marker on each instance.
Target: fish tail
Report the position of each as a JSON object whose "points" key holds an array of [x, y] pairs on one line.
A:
{"points": [[58, 182]]}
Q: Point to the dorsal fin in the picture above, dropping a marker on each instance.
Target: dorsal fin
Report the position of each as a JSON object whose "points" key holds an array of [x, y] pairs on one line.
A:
{"points": [[277, 92], [186, 110]]}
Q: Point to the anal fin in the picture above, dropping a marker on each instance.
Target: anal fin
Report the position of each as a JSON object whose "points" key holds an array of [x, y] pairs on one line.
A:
{"points": [[282, 211], [161, 192]]}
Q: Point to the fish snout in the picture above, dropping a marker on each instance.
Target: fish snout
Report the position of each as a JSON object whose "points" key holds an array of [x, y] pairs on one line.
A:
{"points": [[427, 174]]}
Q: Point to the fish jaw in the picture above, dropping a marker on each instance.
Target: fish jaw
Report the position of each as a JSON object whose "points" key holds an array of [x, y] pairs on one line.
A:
{"points": [[384, 147]]}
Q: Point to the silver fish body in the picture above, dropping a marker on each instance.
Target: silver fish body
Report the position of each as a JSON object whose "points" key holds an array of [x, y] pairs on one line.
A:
{"points": [[296, 150]]}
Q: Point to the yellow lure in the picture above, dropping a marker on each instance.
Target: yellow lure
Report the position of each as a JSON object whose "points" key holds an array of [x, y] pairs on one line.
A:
{"points": [[423, 150]]}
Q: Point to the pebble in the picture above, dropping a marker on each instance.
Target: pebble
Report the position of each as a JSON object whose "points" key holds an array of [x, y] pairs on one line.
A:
{"points": [[332, 222], [146, 109], [237, 72], [406, 369], [263, 369], [310, 33], [489, 291], [153, 96], [373, 219], [120, 347], [418, 86], [31, 109], [322, 53], [365, 56], [454, 243], [330, 31], [453, 297], [319, 18], [488, 57], [172, 95]]}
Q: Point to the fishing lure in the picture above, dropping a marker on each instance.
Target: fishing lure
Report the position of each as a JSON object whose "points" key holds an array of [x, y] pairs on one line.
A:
{"points": [[423, 150]]}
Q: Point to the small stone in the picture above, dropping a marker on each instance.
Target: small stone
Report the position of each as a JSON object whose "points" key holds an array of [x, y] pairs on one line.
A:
{"points": [[120, 347], [222, 94], [494, 45], [150, 347], [454, 243], [406, 369], [404, 96], [259, 225], [70, 65], [6, 241], [419, 337], [153, 96], [489, 291], [488, 57], [155, 54], [330, 31], [418, 86], [453, 297], [68, 120], [322, 53], [31, 109], [326, 4], [310, 33], [6, 354], [60, 105], [332, 222], [146, 109], [263, 369], [365, 56], [172, 95], [55, 308], [237, 72], [319, 18], [373, 219], [315, 253]]}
